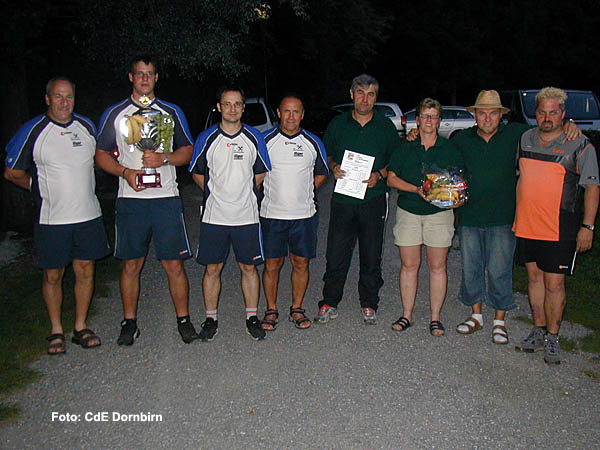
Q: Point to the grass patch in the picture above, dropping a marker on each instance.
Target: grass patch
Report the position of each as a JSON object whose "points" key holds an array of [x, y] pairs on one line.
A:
{"points": [[582, 294], [8, 412], [592, 374], [24, 322]]}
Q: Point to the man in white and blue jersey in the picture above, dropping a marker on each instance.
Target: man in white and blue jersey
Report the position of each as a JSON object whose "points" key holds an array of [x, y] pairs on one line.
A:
{"points": [[52, 155], [229, 163], [143, 214], [288, 212]]}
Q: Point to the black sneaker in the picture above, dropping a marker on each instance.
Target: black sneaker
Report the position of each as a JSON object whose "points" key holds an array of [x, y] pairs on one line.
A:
{"points": [[187, 330], [129, 332], [254, 328], [209, 330]]}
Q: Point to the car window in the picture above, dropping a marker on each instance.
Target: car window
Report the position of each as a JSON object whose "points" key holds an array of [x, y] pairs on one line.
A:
{"points": [[254, 114], [411, 115], [385, 110], [449, 114], [460, 114], [580, 105], [528, 99], [213, 117]]}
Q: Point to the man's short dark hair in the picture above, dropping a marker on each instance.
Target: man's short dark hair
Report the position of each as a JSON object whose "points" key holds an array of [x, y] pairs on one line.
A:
{"points": [[291, 95], [146, 59], [364, 80], [53, 80], [224, 89]]}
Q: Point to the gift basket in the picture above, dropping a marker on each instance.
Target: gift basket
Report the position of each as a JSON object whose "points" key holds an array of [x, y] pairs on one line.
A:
{"points": [[444, 188]]}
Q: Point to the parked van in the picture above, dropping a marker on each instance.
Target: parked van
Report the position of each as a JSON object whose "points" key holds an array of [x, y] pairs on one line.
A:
{"points": [[257, 114], [582, 107]]}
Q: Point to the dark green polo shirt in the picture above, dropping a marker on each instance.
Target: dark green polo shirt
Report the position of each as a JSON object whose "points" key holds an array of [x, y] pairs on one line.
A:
{"points": [[408, 165], [492, 178], [377, 138]]}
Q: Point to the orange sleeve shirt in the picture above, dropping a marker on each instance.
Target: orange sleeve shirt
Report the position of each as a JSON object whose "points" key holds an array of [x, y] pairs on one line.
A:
{"points": [[550, 186]]}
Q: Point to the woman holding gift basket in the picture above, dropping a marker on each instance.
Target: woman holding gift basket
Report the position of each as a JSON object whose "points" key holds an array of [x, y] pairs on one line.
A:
{"points": [[426, 171]]}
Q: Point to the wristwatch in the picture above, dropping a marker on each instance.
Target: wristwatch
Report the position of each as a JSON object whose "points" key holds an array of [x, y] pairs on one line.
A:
{"points": [[166, 161], [589, 227]]}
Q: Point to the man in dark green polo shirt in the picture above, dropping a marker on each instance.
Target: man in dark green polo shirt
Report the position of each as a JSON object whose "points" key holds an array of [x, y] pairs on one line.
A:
{"points": [[487, 242], [362, 130]]}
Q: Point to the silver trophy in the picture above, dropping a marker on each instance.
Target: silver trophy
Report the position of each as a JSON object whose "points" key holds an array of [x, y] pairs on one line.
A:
{"points": [[141, 133]]}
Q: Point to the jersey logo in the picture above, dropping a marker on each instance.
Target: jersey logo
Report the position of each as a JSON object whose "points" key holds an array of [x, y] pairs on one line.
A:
{"points": [[75, 141], [556, 150], [298, 151], [238, 151]]}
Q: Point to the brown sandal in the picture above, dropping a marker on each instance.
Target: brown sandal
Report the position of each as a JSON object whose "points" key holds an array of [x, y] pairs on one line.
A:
{"points": [[58, 347], [472, 325], [499, 335]]}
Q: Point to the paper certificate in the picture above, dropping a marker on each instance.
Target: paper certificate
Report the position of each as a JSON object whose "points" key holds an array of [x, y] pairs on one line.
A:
{"points": [[358, 168]]}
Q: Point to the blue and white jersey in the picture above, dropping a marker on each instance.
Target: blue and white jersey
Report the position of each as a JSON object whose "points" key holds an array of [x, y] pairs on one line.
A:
{"points": [[229, 164], [60, 160], [289, 186], [110, 138]]}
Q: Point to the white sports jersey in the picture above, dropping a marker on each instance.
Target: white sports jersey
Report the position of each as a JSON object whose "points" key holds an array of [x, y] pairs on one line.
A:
{"points": [[229, 164], [60, 159], [109, 138], [289, 186]]}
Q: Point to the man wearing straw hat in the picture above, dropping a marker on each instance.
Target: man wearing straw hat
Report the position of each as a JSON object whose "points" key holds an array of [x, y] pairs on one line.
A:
{"points": [[487, 242]]}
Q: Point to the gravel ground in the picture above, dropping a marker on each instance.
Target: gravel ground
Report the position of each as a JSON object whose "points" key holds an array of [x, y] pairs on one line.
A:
{"points": [[343, 385]]}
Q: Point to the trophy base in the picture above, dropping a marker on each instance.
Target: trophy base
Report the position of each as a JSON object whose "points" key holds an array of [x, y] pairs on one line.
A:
{"points": [[148, 180]]}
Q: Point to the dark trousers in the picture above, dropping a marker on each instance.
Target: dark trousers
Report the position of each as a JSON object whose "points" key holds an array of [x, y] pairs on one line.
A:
{"points": [[347, 223]]}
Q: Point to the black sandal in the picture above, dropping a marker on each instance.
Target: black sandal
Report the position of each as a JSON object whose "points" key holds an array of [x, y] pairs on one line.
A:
{"points": [[84, 337], [271, 323], [60, 346], [301, 320], [402, 324], [436, 325]]}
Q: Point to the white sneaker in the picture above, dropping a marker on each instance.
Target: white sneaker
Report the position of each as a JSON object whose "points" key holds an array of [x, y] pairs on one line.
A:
{"points": [[369, 316], [326, 313]]}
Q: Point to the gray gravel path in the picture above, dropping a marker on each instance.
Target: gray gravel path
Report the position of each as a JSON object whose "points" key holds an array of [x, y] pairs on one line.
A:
{"points": [[343, 385]]}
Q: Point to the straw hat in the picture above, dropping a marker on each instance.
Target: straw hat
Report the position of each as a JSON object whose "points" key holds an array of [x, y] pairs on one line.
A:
{"points": [[488, 99]]}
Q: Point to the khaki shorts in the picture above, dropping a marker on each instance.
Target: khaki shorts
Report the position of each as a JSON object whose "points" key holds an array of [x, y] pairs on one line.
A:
{"points": [[433, 230]]}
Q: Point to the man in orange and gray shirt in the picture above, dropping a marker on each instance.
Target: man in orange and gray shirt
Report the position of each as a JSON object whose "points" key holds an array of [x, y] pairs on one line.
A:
{"points": [[556, 176]]}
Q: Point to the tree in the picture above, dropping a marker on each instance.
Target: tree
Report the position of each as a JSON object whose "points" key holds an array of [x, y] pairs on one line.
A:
{"points": [[189, 37]]}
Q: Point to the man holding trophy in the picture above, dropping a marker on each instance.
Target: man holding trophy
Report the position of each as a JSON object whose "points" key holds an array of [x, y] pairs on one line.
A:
{"points": [[151, 137]]}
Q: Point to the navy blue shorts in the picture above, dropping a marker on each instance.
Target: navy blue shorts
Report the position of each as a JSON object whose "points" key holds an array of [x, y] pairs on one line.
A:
{"points": [[215, 241], [550, 256], [58, 245], [296, 236], [140, 220]]}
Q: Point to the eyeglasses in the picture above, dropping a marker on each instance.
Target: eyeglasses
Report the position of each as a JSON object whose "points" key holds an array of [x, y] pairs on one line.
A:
{"points": [[141, 74], [429, 116], [553, 113], [229, 105]]}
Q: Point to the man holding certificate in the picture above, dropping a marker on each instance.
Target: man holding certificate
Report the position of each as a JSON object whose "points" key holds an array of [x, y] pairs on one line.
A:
{"points": [[359, 144]]}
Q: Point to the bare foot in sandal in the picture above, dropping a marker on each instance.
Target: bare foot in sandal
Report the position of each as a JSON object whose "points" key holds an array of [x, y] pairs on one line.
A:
{"points": [[56, 344], [270, 320], [299, 318]]}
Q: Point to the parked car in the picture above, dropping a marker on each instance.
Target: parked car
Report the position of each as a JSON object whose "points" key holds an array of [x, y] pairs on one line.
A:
{"points": [[582, 107], [256, 114], [390, 110], [316, 119], [454, 119]]}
